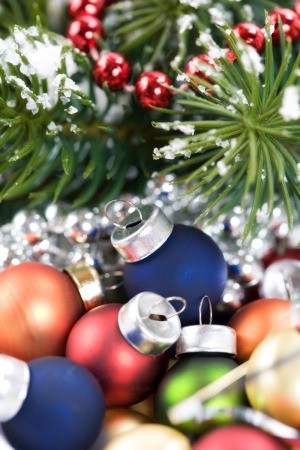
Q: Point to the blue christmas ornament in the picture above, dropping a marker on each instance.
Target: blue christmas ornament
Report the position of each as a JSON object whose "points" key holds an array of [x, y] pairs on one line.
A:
{"points": [[49, 403], [169, 260]]}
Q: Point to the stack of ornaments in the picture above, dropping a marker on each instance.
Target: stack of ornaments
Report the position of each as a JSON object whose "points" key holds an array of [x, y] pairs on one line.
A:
{"points": [[131, 326]]}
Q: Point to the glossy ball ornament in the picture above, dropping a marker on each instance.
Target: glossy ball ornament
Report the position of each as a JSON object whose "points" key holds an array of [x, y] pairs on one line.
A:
{"points": [[169, 259], [50, 403], [82, 32], [201, 66], [126, 375], [149, 437], [251, 35], [282, 279], [290, 24], [253, 321], [86, 7], [38, 307], [112, 69], [272, 381], [150, 90], [237, 437]]}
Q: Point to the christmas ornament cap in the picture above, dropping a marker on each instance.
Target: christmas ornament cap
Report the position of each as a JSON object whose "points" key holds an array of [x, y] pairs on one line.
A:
{"points": [[150, 323], [206, 338], [14, 383], [88, 283], [141, 232]]}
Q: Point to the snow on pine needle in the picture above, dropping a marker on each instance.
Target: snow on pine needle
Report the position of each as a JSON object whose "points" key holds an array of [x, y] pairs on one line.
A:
{"points": [[240, 142], [164, 32], [39, 103]]}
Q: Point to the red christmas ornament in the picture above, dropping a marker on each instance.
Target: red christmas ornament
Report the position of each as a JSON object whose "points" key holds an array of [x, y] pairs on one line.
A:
{"points": [[113, 69], [86, 7], [39, 306], [237, 437], [83, 31], [251, 34], [119, 344], [290, 24], [149, 90], [195, 64]]}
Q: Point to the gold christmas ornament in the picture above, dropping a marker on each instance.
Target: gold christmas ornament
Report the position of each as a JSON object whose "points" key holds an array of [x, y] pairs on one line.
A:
{"points": [[273, 376], [150, 437]]}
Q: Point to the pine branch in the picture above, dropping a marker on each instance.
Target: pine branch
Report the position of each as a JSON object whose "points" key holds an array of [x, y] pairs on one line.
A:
{"points": [[172, 26], [249, 134], [22, 13]]}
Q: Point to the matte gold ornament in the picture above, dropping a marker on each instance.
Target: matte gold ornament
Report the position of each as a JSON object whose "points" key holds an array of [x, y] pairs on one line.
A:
{"points": [[150, 437], [273, 376]]}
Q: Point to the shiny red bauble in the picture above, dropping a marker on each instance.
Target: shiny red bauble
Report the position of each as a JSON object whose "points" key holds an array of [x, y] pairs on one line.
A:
{"points": [[82, 7], [290, 24], [83, 32], [195, 67], [237, 437], [38, 307], [113, 69], [251, 35], [150, 90], [125, 375]]}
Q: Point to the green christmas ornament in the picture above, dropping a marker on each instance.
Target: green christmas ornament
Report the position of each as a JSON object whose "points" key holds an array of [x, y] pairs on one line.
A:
{"points": [[205, 353]]}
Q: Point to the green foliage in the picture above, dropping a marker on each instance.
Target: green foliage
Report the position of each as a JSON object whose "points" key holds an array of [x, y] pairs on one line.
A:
{"points": [[155, 33], [239, 147], [20, 12]]}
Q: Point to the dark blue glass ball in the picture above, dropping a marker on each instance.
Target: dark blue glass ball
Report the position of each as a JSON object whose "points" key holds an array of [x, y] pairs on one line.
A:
{"points": [[64, 408], [189, 264]]}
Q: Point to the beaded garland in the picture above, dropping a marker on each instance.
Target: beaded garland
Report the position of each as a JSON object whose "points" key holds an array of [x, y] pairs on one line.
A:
{"points": [[153, 88]]}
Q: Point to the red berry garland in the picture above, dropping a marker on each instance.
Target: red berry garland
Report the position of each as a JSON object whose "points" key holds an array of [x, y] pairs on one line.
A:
{"points": [[297, 7], [150, 91], [113, 69], [82, 32], [82, 7], [251, 34], [290, 24], [193, 68]]}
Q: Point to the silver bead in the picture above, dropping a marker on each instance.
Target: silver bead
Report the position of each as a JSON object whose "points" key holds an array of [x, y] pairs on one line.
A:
{"points": [[82, 226]]}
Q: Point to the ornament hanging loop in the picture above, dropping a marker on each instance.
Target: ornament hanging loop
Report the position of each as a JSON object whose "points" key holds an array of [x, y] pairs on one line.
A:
{"points": [[178, 299], [205, 297], [117, 214], [155, 315]]}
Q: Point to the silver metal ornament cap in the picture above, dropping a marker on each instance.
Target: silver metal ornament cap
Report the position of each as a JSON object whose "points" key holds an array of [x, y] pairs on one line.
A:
{"points": [[88, 282], [206, 338], [14, 383], [139, 233], [150, 323]]}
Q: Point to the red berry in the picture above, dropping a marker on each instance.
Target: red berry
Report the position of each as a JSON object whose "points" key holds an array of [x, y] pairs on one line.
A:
{"points": [[251, 34], [86, 7], [230, 55], [196, 65], [82, 32], [290, 24], [113, 69], [149, 90], [297, 7]]}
